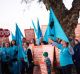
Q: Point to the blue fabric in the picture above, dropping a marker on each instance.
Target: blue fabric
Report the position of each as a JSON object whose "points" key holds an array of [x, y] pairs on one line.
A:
{"points": [[47, 33], [22, 54], [39, 31], [49, 30], [13, 37], [13, 50], [5, 54], [58, 29], [0, 52], [35, 30], [64, 56], [25, 55], [18, 35], [15, 64]]}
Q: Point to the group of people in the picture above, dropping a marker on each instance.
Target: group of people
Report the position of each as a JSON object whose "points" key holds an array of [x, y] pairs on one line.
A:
{"points": [[16, 59], [69, 55]]}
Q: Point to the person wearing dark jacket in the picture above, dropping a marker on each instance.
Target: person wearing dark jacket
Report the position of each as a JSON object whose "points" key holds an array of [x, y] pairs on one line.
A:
{"points": [[30, 59], [76, 56]]}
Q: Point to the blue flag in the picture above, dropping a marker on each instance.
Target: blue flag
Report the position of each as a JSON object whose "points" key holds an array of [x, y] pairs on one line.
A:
{"points": [[13, 37], [39, 29], [50, 31], [39, 32], [18, 35], [58, 29], [35, 30]]}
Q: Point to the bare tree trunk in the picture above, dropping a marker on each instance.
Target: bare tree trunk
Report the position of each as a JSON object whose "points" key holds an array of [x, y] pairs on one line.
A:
{"points": [[67, 18]]}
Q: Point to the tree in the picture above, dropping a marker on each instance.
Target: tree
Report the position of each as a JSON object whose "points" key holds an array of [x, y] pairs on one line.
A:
{"points": [[67, 18]]}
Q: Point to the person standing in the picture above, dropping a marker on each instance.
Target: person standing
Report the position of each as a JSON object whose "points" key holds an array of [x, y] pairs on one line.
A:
{"points": [[76, 56], [47, 61], [30, 59], [65, 56], [24, 59], [14, 58], [5, 57]]}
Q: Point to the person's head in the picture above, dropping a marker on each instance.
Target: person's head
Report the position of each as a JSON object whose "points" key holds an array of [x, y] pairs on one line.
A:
{"points": [[41, 39], [45, 54], [33, 41], [25, 44], [65, 44], [13, 42], [7, 44], [24, 39]]}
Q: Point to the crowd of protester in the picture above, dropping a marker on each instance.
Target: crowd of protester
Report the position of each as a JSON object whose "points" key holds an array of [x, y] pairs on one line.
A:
{"points": [[15, 59], [18, 59]]}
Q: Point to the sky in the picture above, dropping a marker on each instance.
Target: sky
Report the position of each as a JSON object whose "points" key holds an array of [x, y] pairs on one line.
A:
{"points": [[15, 11]]}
